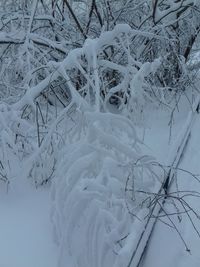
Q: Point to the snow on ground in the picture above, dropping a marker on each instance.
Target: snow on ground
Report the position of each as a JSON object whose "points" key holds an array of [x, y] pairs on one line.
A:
{"points": [[25, 227], [166, 247], [25, 230], [160, 130]]}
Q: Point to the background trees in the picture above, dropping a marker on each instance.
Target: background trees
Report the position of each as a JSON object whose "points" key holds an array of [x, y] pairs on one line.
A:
{"points": [[34, 33]]}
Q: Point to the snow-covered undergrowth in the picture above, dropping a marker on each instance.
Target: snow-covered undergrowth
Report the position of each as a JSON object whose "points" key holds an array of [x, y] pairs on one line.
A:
{"points": [[71, 123], [101, 171], [93, 154], [95, 192]]}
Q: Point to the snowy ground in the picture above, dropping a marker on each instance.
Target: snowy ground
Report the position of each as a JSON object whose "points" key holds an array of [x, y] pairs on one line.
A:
{"points": [[166, 247], [25, 227], [161, 129], [25, 230]]}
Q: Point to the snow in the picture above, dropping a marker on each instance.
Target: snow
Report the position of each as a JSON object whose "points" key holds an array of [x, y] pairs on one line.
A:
{"points": [[26, 230], [25, 212], [157, 134], [166, 248], [30, 210], [102, 171], [88, 198], [169, 14]]}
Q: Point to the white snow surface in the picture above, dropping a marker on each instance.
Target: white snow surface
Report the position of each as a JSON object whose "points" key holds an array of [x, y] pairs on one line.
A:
{"points": [[165, 247], [25, 230], [26, 235]]}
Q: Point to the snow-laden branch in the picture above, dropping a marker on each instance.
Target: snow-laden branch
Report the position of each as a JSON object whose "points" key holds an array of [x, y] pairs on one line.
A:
{"points": [[20, 37], [91, 51], [173, 11]]}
